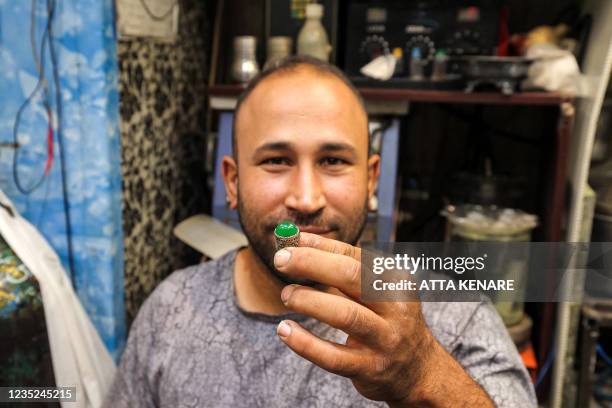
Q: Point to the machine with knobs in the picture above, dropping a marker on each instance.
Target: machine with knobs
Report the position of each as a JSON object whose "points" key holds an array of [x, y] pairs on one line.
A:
{"points": [[421, 29], [371, 47]]}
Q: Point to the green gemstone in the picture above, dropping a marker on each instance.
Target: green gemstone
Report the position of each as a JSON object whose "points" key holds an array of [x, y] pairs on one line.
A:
{"points": [[286, 229]]}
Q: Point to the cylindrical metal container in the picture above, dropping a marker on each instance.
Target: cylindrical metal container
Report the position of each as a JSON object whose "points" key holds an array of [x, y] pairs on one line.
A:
{"points": [[278, 48], [244, 65]]}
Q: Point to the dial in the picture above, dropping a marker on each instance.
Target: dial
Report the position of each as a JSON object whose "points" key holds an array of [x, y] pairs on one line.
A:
{"points": [[373, 46], [466, 42], [424, 43]]}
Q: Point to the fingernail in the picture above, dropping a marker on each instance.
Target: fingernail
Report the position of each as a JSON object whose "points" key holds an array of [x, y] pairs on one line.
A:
{"points": [[283, 329], [286, 292], [281, 258]]}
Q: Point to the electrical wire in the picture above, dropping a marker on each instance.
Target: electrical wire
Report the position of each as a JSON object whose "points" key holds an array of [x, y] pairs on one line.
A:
{"points": [[601, 389], [43, 206], [158, 17], [551, 357], [602, 353], [41, 83], [47, 105], [33, 36], [60, 139], [546, 366]]}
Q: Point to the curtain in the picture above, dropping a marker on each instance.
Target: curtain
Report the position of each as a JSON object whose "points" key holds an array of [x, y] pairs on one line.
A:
{"points": [[61, 82]]}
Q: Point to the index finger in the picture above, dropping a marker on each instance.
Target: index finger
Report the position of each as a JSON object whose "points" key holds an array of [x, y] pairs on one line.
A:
{"points": [[329, 245], [329, 269], [316, 265]]}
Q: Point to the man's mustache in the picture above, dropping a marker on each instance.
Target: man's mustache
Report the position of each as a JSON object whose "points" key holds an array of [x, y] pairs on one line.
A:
{"points": [[315, 219]]}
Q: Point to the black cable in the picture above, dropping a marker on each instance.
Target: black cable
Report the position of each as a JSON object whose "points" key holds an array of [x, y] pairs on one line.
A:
{"points": [[46, 101], [37, 59], [43, 206], [158, 17], [60, 139], [546, 366], [33, 35], [40, 83]]}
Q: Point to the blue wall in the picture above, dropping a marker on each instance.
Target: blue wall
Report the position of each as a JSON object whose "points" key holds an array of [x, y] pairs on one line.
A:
{"points": [[85, 44]]}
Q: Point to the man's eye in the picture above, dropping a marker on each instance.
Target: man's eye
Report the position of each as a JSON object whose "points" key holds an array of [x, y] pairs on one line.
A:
{"points": [[276, 161], [333, 161]]}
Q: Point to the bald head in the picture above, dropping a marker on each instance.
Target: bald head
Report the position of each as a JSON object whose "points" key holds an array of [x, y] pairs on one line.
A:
{"points": [[299, 87]]}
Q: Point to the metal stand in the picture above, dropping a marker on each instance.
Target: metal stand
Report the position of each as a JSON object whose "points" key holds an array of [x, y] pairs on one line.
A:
{"points": [[594, 317]]}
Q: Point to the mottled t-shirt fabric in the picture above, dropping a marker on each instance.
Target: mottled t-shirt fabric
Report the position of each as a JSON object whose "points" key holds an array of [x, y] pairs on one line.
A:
{"points": [[191, 345]]}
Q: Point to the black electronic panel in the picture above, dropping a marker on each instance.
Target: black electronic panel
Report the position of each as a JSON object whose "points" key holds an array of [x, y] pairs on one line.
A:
{"points": [[459, 28]]}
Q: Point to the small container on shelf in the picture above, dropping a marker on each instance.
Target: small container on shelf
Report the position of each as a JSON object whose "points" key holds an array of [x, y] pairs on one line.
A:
{"points": [[279, 47], [440, 68], [244, 65], [416, 65], [312, 39]]}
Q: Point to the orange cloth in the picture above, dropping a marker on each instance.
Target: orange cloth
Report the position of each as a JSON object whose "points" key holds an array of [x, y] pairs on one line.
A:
{"points": [[529, 359]]}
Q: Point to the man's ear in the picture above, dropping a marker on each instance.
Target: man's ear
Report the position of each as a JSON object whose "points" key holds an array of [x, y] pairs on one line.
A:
{"points": [[373, 173], [229, 169]]}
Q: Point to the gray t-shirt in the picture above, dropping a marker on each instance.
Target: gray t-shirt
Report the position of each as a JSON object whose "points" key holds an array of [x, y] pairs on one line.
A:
{"points": [[192, 346]]}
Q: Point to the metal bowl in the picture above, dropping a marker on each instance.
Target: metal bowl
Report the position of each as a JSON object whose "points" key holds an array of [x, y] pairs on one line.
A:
{"points": [[495, 68]]}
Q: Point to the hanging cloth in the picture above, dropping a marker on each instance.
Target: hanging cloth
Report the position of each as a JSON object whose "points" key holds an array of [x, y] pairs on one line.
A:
{"points": [[79, 356]]}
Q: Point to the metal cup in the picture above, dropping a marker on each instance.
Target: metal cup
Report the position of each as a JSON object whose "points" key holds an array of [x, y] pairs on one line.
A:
{"points": [[244, 65], [279, 47]]}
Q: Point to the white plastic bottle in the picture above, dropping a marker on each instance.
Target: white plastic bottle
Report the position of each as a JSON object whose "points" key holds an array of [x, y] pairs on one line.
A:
{"points": [[312, 39]]}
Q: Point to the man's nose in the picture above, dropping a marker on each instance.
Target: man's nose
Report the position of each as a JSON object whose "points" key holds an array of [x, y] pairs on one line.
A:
{"points": [[305, 194]]}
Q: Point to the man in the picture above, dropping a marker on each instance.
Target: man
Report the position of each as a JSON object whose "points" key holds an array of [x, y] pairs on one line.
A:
{"points": [[275, 329]]}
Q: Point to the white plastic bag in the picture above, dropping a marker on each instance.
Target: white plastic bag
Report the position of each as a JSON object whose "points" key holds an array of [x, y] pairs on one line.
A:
{"points": [[554, 70], [380, 68]]}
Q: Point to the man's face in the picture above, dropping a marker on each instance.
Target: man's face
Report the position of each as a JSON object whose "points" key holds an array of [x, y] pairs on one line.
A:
{"points": [[302, 143]]}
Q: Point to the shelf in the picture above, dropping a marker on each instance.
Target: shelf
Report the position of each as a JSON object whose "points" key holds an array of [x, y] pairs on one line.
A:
{"points": [[414, 95]]}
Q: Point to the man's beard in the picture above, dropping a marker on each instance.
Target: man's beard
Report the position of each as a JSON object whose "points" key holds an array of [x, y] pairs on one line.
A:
{"points": [[259, 230]]}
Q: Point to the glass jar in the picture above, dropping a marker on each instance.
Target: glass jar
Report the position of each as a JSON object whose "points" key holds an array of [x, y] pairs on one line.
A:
{"points": [[476, 223]]}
